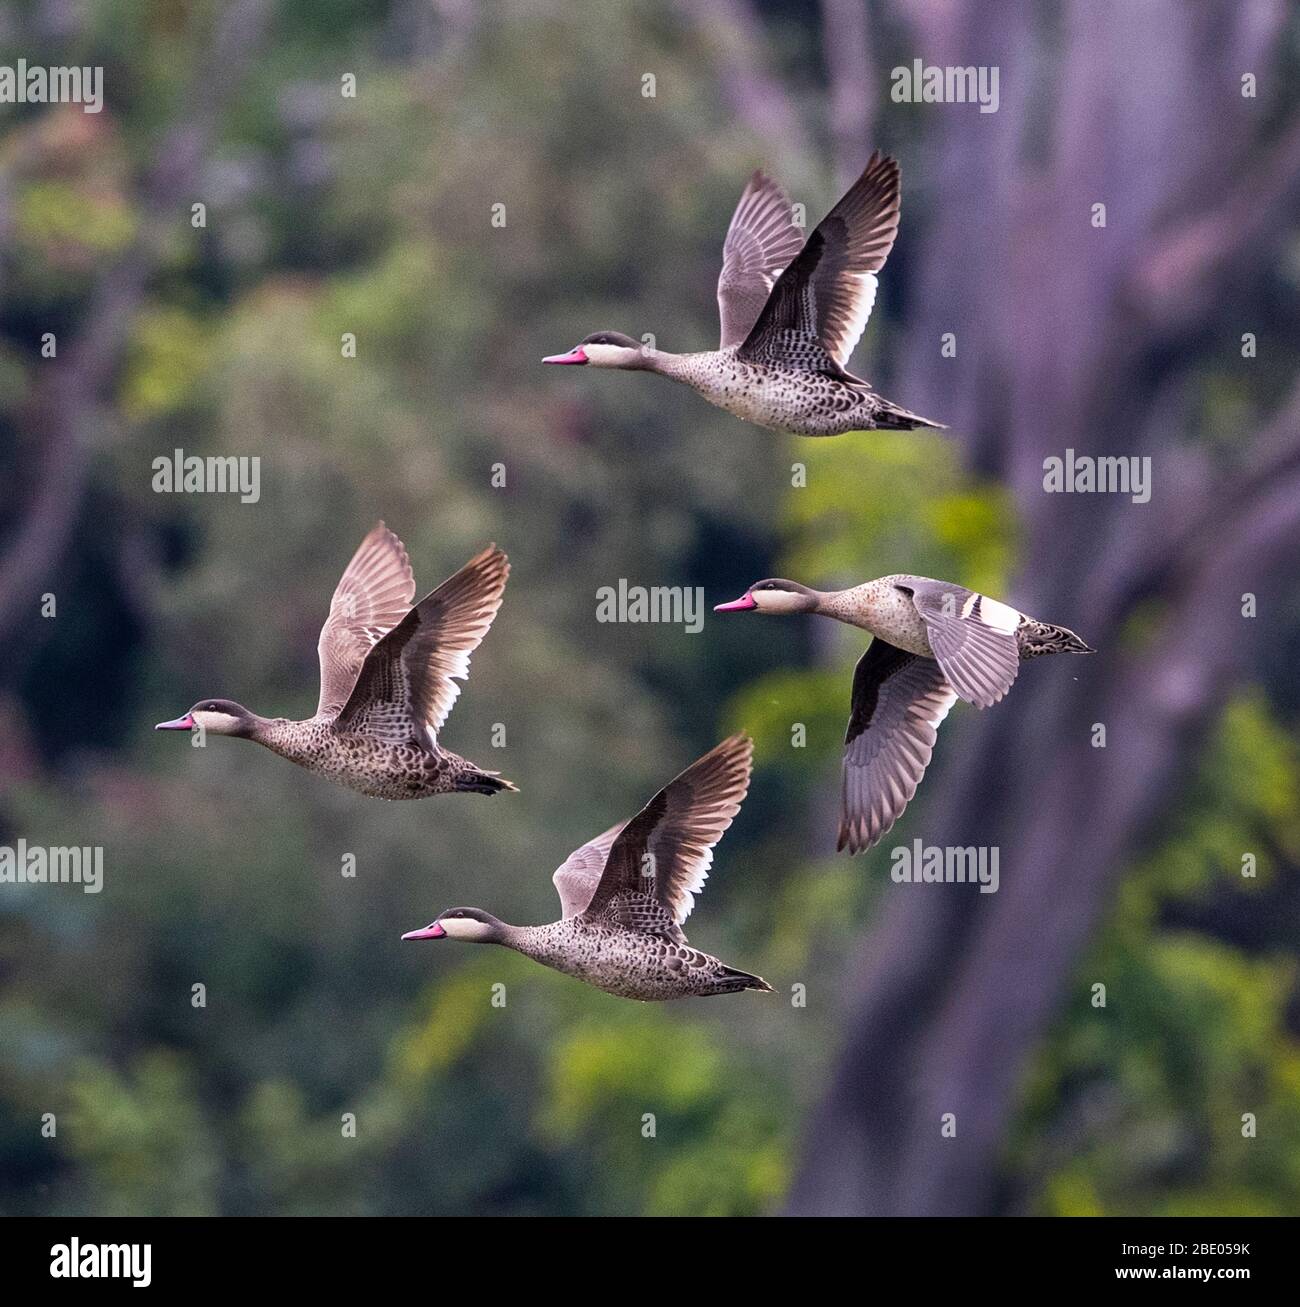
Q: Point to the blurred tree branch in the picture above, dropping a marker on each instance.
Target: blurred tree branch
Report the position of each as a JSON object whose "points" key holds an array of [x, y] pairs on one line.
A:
{"points": [[64, 406], [852, 87], [732, 31]]}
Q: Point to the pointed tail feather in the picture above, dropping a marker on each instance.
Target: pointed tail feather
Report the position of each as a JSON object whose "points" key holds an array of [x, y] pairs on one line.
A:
{"points": [[482, 782], [735, 981], [890, 417], [1046, 638]]}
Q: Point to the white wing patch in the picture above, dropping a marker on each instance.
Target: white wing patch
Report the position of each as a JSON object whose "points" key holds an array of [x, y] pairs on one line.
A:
{"points": [[1000, 616]]}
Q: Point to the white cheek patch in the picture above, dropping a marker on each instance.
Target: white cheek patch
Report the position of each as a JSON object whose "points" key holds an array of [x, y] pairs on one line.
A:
{"points": [[460, 927], [999, 616]]}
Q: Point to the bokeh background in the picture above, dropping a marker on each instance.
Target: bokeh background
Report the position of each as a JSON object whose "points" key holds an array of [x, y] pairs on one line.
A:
{"points": [[326, 214]]}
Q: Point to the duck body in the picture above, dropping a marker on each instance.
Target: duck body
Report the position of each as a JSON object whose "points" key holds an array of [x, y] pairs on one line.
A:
{"points": [[389, 674], [887, 608], [935, 643], [374, 767], [625, 894], [782, 398], [628, 963]]}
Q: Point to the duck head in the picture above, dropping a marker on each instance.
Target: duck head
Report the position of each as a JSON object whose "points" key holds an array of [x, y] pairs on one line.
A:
{"points": [[604, 349], [215, 717], [774, 596], [470, 924]]}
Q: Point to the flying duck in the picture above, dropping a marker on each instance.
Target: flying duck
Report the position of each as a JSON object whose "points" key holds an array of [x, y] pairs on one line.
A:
{"points": [[792, 312], [387, 679], [935, 643], [625, 894]]}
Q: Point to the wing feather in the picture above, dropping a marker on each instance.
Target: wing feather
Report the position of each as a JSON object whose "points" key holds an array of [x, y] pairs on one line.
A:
{"points": [[372, 596], [660, 859], [760, 244], [899, 701], [972, 637], [819, 307], [410, 679]]}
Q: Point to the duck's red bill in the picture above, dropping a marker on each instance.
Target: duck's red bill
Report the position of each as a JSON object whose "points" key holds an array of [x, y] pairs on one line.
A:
{"points": [[736, 605], [432, 931], [185, 723], [575, 355]]}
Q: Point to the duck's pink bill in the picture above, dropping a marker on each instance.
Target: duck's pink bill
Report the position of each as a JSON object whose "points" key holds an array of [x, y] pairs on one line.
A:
{"points": [[185, 723], [433, 931], [736, 605], [575, 355]]}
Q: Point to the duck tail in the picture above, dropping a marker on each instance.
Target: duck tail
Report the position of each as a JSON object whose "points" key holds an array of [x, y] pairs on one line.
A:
{"points": [[475, 781], [890, 417], [733, 981], [1037, 638]]}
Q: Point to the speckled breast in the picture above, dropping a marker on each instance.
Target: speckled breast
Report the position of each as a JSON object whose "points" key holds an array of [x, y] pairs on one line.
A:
{"points": [[884, 610]]}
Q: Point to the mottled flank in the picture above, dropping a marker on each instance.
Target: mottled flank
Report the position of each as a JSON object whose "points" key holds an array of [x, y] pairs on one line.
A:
{"points": [[631, 964], [375, 767], [805, 403]]}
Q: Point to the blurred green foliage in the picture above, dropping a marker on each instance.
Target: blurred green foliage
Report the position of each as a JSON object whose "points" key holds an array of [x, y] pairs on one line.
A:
{"points": [[1138, 1107]]}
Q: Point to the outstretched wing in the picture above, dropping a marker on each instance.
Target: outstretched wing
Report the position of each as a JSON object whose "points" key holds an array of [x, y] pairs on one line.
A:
{"points": [[661, 858], [973, 638], [576, 878], [761, 241], [899, 700], [408, 682], [372, 596], [820, 304]]}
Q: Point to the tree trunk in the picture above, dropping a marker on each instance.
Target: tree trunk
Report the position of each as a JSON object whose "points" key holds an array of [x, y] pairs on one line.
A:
{"points": [[1069, 336]]}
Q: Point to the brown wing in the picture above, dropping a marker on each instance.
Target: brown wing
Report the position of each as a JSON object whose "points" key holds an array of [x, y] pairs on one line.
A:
{"points": [[661, 858], [899, 700], [372, 596], [820, 304], [761, 241], [406, 686], [973, 638], [576, 878]]}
